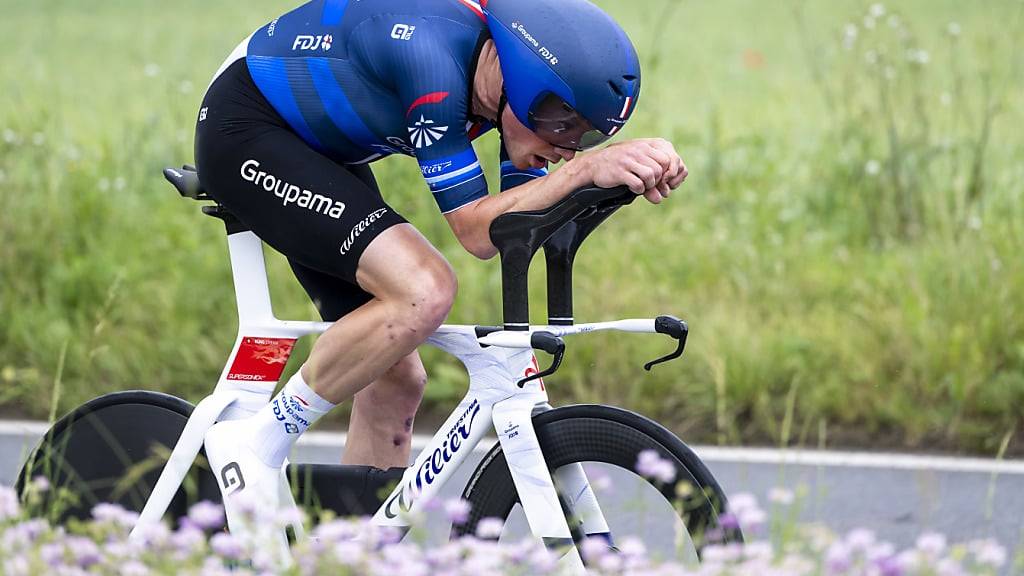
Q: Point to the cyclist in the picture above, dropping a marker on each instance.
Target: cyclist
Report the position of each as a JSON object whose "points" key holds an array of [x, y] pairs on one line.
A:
{"points": [[284, 138]]}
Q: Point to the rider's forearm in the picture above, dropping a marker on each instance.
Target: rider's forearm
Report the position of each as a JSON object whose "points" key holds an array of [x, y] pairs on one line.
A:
{"points": [[472, 223]]}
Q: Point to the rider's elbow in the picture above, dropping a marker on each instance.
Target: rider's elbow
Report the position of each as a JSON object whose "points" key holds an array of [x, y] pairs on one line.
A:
{"points": [[483, 250]]}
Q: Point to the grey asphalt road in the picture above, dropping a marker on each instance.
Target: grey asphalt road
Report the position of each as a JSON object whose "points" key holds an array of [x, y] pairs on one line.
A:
{"points": [[897, 496]]}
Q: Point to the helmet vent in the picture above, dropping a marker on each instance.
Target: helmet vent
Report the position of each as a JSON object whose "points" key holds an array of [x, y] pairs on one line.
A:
{"points": [[615, 88], [629, 77]]}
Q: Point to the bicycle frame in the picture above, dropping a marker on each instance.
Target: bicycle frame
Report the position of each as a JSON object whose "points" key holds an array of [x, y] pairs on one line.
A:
{"points": [[496, 363]]}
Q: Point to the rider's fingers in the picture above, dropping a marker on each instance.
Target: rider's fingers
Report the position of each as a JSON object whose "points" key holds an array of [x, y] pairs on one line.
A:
{"points": [[653, 196], [648, 170], [663, 158], [680, 177], [635, 184], [663, 189]]}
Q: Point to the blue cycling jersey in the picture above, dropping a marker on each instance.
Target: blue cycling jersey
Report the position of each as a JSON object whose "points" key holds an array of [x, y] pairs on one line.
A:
{"points": [[360, 80]]}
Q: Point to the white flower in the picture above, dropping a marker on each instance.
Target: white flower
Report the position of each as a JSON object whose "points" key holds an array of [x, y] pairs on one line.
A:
{"points": [[877, 10], [38, 139], [988, 552], [974, 222], [3, 176], [781, 496], [871, 57], [151, 70], [185, 87], [873, 168], [953, 29], [10, 136], [946, 99]]}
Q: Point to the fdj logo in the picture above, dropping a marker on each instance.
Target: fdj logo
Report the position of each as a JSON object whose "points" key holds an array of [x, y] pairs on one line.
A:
{"points": [[313, 42], [402, 32], [231, 476]]}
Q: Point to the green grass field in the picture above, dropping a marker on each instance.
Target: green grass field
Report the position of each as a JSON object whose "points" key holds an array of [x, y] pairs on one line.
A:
{"points": [[847, 249]]}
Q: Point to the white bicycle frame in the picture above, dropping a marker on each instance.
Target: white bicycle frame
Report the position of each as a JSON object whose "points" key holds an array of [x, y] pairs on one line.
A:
{"points": [[495, 362]]}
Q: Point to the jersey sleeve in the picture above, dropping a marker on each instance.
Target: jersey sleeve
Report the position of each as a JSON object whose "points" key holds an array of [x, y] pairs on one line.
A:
{"points": [[434, 91], [512, 176]]}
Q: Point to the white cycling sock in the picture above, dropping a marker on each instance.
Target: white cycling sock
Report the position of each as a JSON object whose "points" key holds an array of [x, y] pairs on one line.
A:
{"points": [[277, 426]]}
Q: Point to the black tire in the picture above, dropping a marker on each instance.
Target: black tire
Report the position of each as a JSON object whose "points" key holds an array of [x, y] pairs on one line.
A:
{"points": [[112, 449], [591, 433]]}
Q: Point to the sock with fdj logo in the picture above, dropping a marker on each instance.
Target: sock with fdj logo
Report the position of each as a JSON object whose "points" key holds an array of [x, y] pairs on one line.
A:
{"points": [[279, 424]]}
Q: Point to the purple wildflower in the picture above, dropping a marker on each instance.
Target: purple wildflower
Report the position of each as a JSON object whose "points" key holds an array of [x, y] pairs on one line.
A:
{"points": [[594, 548], [84, 551], [115, 515], [52, 554], [9, 507], [838, 558], [650, 464], [206, 515], [133, 568], [457, 511], [931, 544], [16, 566], [227, 546], [490, 528]]}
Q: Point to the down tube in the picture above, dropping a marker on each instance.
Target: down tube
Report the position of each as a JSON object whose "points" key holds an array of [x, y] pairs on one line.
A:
{"points": [[445, 453]]}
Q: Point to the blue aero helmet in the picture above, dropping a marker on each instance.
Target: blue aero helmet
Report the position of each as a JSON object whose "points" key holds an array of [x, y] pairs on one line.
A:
{"points": [[571, 73]]}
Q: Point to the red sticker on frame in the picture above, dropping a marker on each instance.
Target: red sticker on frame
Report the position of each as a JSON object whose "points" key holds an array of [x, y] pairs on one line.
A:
{"points": [[261, 359]]}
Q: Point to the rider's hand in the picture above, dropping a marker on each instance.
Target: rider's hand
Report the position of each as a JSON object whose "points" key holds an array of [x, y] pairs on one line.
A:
{"points": [[650, 167]]}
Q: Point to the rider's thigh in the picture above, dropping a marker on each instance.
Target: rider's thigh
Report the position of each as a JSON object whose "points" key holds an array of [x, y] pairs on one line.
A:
{"points": [[400, 265], [334, 297]]}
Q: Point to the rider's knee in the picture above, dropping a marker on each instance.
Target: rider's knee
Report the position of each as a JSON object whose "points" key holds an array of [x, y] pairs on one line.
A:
{"points": [[430, 294]]}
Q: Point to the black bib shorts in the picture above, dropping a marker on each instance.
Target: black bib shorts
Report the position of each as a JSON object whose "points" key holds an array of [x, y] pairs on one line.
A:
{"points": [[320, 214]]}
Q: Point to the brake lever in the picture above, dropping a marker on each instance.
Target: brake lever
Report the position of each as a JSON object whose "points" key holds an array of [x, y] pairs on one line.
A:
{"points": [[551, 344], [675, 328]]}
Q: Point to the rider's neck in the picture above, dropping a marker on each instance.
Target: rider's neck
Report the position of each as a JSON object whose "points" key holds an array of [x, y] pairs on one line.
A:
{"points": [[487, 83]]}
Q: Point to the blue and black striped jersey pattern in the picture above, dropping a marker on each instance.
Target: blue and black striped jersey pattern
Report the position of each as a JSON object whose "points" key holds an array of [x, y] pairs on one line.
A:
{"points": [[361, 80]]}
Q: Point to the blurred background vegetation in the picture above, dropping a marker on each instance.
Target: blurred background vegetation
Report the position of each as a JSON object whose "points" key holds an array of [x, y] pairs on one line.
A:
{"points": [[847, 249]]}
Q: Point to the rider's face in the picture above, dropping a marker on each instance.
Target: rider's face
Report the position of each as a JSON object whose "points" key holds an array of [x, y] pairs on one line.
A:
{"points": [[525, 149]]}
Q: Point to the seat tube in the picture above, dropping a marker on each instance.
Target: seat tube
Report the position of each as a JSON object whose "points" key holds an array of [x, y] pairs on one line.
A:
{"points": [[249, 272]]}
